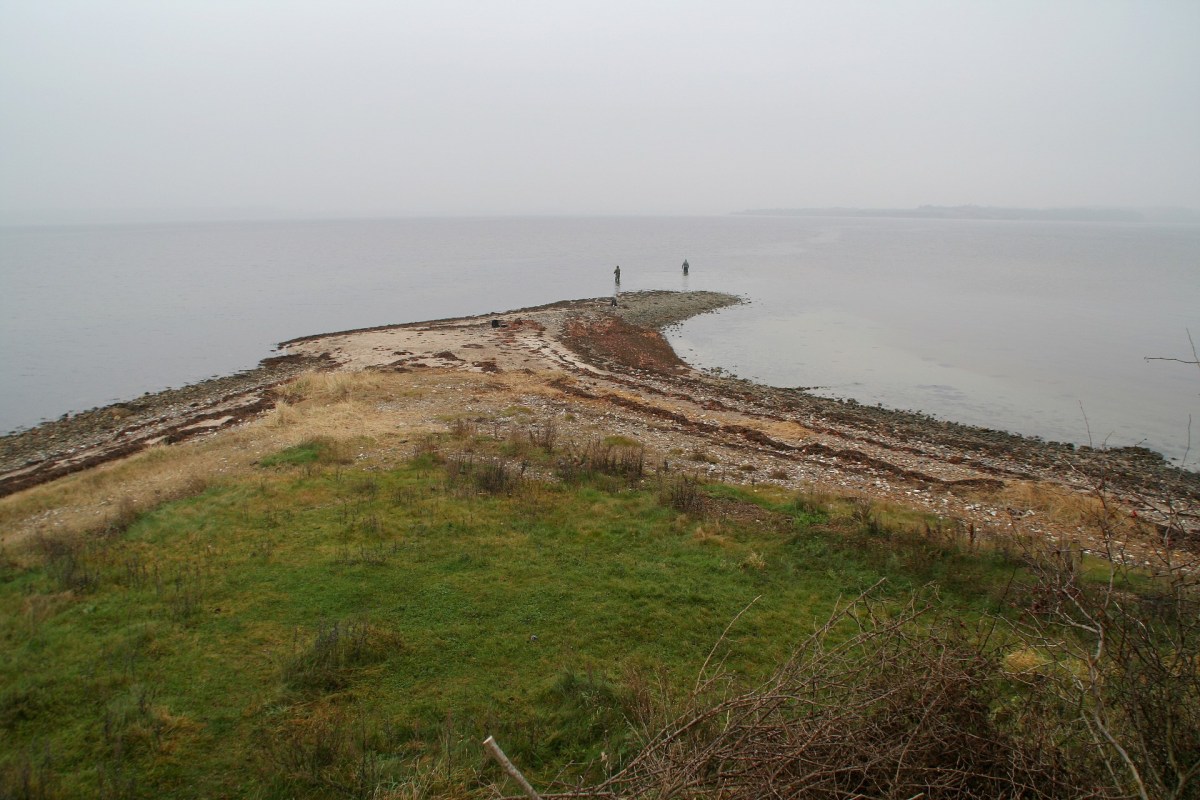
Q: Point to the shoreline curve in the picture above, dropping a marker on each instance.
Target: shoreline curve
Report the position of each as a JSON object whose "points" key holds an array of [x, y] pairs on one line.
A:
{"points": [[616, 356]]}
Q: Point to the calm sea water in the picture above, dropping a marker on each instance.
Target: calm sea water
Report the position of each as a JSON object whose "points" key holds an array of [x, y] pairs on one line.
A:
{"points": [[1036, 327]]}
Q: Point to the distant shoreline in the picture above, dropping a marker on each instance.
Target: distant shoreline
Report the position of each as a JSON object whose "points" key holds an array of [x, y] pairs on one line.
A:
{"points": [[973, 212]]}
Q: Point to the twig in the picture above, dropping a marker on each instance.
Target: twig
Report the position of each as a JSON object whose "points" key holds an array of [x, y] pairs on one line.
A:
{"points": [[704, 666], [1164, 358], [1195, 356], [498, 754]]}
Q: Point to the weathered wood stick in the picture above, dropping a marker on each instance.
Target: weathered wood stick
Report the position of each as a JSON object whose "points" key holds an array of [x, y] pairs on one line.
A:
{"points": [[498, 754]]}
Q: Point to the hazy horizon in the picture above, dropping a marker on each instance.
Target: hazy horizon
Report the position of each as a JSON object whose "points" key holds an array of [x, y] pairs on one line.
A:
{"points": [[133, 110], [168, 216]]}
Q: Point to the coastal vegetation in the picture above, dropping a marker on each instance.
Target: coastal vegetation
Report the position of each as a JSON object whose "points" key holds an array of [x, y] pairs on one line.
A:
{"points": [[326, 605]]}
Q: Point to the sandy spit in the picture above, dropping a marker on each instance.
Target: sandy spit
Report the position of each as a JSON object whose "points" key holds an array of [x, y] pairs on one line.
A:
{"points": [[600, 365]]}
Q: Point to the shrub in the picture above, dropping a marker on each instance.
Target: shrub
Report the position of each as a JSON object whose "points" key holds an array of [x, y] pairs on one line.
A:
{"points": [[871, 705], [683, 494], [544, 436], [496, 477], [615, 456], [65, 559], [328, 662]]}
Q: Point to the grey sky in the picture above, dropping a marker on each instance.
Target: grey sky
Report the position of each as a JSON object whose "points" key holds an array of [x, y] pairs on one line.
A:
{"points": [[120, 108]]}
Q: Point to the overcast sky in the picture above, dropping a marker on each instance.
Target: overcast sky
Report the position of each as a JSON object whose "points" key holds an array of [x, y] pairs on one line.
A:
{"points": [[127, 109]]}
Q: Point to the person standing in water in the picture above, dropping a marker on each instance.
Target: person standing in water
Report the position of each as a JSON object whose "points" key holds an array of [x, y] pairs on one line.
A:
{"points": [[617, 274], [685, 266]]}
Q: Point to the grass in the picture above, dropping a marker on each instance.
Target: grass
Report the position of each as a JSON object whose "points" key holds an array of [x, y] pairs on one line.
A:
{"points": [[346, 600], [321, 450], [315, 628], [346, 408]]}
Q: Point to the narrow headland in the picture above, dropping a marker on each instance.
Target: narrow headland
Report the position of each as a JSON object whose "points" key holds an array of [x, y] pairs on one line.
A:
{"points": [[597, 362], [339, 573]]}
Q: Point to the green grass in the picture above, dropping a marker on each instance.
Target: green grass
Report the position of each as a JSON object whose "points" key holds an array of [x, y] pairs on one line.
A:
{"points": [[324, 630], [314, 451]]}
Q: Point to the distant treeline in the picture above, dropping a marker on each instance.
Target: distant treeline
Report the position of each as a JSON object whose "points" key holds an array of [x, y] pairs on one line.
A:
{"points": [[991, 212]]}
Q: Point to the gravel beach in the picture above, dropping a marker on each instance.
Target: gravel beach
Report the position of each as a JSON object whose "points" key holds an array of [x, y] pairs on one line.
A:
{"points": [[587, 361]]}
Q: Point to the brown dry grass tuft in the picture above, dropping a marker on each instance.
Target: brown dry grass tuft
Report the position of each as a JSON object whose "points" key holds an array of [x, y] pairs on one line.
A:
{"points": [[784, 430], [710, 534], [1064, 506], [332, 386]]}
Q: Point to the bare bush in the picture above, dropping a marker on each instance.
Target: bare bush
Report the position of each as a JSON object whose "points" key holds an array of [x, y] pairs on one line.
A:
{"points": [[875, 703], [326, 752], [463, 428], [1124, 647], [67, 559], [683, 495], [428, 447], [488, 477], [622, 459], [866, 516], [544, 435], [30, 775], [496, 477]]}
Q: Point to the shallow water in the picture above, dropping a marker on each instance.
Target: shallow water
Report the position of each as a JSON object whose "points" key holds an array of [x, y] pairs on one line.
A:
{"points": [[1040, 328]]}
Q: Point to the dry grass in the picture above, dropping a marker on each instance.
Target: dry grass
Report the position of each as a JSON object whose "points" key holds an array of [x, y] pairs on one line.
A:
{"points": [[784, 430], [1064, 506], [330, 387], [376, 414], [382, 415], [754, 561], [283, 415], [1025, 661], [711, 534], [105, 496], [344, 407], [866, 511]]}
